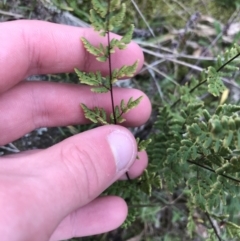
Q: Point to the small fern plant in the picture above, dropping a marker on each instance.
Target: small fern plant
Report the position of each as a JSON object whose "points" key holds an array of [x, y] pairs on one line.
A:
{"points": [[105, 16], [197, 145]]}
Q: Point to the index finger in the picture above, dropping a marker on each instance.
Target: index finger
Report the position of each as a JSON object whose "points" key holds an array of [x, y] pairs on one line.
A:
{"points": [[36, 47]]}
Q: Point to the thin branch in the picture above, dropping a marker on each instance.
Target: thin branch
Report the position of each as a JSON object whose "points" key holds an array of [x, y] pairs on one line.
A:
{"points": [[199, 84], [174, 10], [213, 226], [215, 40], [110, 64], [182, 6], [155, 63], [194, 67], [11, 14], [143, 18], [162, 74], [211, 170], [229, 61], [166, 203], [10, 149], [194, 88], [172, 55], [110, 70], [151, 72]]}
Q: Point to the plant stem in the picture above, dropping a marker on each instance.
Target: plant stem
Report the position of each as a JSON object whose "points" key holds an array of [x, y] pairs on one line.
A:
{"points": [[110, 71], [211, 170], [199, 84], [110, 63], [214, 228]]}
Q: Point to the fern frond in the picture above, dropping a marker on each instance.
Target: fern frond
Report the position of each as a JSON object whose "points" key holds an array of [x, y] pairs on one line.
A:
{"points": [[232, 229], [89, 78], [101, 52], [102, 89], [124, 71], [99, 8], [215, 84], [97, 23], [97, 115], [117, 19], [105, 16], [142, 144], [115, 4], [126, 39], [123, 109]]}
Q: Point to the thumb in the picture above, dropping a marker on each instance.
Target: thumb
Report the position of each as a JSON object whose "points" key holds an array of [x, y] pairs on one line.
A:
{"points": [[86, 164]]}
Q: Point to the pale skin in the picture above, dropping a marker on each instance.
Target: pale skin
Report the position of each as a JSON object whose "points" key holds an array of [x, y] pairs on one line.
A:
{"points": [[53, 194]]}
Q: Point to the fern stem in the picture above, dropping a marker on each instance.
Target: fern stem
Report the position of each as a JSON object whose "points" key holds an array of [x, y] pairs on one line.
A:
{"points": [[128, 177], [199, 84], [110, 63], [195, 87], [213, 226], [229, 61], [211, 170], [110, 70]]}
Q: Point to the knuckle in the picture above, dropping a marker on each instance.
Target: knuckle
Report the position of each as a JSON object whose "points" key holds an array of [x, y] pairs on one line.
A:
{"points": [[81, 167]]}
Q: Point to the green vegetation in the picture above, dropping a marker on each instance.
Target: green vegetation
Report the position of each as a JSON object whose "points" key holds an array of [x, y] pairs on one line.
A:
{"points": [[190, 190]]}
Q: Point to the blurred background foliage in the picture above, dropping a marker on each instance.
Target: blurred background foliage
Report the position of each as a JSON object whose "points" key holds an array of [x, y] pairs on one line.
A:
{"points": [[179, 39]]}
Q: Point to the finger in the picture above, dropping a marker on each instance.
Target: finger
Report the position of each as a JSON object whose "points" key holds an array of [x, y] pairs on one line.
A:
{"points": [[112, 212], [134, 171], [36, 47], [31, 105], [53, 183]]}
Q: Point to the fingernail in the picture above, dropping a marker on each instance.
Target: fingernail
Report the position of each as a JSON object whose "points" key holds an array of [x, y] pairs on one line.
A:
{"points": [[122, 148]]}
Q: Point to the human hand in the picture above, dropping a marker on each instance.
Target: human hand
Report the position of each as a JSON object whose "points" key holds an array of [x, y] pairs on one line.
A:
{"points": [[53, 194]]}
